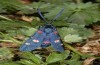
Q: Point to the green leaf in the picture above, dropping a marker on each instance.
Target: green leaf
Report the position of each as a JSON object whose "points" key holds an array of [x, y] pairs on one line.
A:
{"points": [[75, 33], [75, 56], [10, 5], [72, 38], [29, 32], [53, 1], [6, 25], [81, 13], [54, 57], [77, 18], [10, 38], [2, 9], [98, 0], [31, 57], [5, 53], [27, 9], [53, 13], [65, 31], [26, 62], [82, 18], [9, 63], [75, 60], [82, 31]]}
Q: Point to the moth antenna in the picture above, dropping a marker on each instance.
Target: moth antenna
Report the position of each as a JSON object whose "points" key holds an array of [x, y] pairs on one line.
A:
{"points": [[58, 15], [39, 12]]}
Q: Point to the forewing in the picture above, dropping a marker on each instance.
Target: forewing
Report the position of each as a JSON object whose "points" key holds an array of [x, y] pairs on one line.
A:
{"points": [[56, 41], [33, 42]]}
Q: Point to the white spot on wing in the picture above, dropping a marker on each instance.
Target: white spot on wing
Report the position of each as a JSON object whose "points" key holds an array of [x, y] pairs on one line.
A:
{"points": [[36, 41], [61, 44], [56, 41], [27, 43]]}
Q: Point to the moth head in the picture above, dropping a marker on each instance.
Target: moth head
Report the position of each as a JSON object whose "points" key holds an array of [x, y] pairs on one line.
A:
{"points": [[48, 25], [48, 28]]}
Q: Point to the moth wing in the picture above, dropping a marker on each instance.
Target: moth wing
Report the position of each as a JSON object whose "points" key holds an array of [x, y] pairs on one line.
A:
{"points": [[33, 42], [56, 41], [45, 45]]}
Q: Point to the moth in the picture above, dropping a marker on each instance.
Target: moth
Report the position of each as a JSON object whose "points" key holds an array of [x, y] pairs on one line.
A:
{"points": [[45, 36]]}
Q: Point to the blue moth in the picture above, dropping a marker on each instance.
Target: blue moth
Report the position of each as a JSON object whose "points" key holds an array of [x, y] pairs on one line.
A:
{"points": [[45, 36]]}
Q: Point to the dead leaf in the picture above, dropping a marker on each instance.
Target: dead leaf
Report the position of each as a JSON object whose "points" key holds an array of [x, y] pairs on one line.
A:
{"points": [[88, 61], [25, 1], [96, 27], [8, 44], [20, 37], [26, 18], [91, 47]]}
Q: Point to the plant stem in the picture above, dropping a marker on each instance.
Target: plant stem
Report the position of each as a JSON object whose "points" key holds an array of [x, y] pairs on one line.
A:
{"points": [[6, 41], [8, 37], [83, 55], [5, 18], [73, 49]]}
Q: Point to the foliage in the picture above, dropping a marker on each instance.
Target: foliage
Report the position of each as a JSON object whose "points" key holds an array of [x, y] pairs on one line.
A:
{"points": [[74, 33], [73, 26], [5, 53], [82, 13], [98, 0]]}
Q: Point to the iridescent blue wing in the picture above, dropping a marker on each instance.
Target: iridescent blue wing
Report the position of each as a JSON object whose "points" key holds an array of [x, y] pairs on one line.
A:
{"points": [[56, 41], [46, 42], [45, 45], [33, 42]]}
